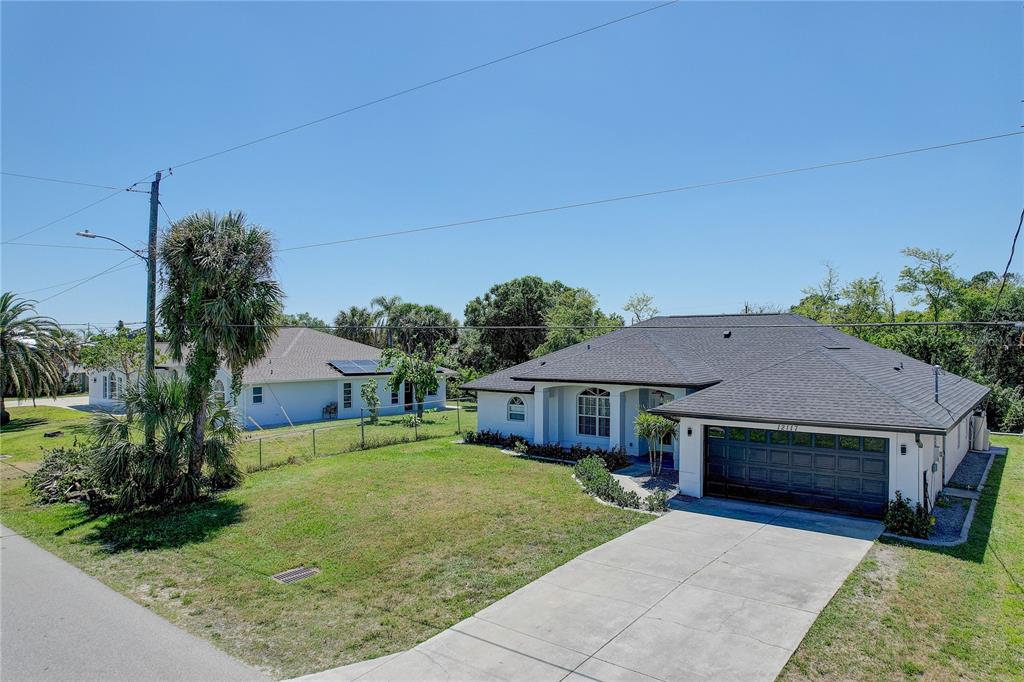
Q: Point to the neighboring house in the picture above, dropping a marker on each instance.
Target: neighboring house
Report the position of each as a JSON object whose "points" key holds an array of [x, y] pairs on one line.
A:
{"points": [[307, 376], [770, 407]]}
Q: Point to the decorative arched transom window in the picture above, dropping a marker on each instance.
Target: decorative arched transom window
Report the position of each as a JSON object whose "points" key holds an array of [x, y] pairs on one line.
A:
{"points": [[516, 409], [218, 391], [593, 413]]}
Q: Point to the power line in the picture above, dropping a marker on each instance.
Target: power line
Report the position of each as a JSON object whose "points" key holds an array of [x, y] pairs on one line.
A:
{"points": [[166, 215], [337, 114], [642, 195], [88, 279], [64, 246], [70, 182], [541, 327], [421, 86], [1006, 270], [113, 194], [73, 281]]}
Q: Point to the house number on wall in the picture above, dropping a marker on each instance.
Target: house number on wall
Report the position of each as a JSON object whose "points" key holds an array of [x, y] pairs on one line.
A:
{"points": [[786, 427]]}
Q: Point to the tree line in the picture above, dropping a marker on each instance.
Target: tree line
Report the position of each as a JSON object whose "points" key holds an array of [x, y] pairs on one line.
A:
{"points": [[993, 356], [556, 315]]}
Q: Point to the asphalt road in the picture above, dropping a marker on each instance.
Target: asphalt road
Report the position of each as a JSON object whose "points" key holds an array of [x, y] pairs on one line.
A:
{"points": [[57, 623]]}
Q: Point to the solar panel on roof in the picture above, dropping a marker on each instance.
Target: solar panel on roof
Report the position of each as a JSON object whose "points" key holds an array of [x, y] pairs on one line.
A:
{"points": [[346, 366], [358, 367]]}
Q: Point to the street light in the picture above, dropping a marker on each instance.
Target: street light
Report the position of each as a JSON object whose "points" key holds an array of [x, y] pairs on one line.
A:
{"points": [[91, 235]]}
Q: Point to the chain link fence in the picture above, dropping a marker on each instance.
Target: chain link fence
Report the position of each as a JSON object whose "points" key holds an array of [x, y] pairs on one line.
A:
{"points": [[393, 424]]}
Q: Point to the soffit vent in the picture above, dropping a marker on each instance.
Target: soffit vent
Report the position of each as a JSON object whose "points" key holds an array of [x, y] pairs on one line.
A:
{"points": [[295, 574]]}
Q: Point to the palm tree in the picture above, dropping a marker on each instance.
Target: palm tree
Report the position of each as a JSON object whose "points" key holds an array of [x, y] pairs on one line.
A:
{"points": [[356, 324], [32, 352], [134, 474], [384, 307], [221, 303]]}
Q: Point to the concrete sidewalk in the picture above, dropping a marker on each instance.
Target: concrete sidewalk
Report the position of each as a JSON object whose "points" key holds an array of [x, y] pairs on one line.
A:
{"points": [[715, 590], [57, 623]]}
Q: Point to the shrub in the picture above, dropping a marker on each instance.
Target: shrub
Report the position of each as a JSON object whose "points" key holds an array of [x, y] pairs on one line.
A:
{"points": [[902, 519], [411, 421], [613, 459], [597, 480], [656, 501], [65, 476]]}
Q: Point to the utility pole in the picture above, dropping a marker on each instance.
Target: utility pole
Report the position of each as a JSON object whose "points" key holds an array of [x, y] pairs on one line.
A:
{"points": [[151, 287], [154, 207]]}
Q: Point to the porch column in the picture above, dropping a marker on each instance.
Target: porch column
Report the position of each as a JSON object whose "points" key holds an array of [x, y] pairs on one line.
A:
{"points": [[615, 427], [540, 414]]}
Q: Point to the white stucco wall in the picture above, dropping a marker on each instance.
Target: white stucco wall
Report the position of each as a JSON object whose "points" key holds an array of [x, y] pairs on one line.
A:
{"points": [[304, 401], [288, 402], [492, 414], [957, 444], [906, 471]]}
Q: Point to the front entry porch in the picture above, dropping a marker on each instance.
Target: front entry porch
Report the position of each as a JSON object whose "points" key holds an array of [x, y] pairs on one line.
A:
{"points": [[600, 416]]}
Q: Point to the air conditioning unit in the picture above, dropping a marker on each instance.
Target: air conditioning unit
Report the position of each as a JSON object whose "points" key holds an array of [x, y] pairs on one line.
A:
{"points": [[979, 432]]}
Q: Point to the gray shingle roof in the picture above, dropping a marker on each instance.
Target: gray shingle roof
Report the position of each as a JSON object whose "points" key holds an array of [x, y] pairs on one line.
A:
{"points": [[772, 367], [303, 354]]}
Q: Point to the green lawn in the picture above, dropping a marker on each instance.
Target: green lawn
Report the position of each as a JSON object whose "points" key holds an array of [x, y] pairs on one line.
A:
{"points": [[934, 613], [409, 538], [22, 439], [272, 446]]}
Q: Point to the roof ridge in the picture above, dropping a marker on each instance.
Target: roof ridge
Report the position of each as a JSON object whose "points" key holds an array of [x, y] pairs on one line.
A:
{"points": [[585, 342], [883, 389], [291, 345], [715, 315]]}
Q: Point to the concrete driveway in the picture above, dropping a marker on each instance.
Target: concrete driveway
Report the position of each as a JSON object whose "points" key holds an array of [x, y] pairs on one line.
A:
{"points": [[712, 590]]}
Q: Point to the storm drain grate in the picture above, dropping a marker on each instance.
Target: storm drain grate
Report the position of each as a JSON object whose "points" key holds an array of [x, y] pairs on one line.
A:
{"points": [[295, 574]]}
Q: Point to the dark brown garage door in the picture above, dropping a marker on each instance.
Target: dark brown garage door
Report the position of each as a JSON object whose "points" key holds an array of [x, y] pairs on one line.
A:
{"points": [[843, 473]]}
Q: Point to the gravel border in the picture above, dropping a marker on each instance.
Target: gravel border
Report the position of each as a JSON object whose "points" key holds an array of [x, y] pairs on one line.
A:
{"points": [[970, 473], [965, 531]]}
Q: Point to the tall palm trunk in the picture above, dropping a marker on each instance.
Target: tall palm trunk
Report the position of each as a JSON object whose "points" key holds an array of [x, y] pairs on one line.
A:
{"points": [[198, 454]]}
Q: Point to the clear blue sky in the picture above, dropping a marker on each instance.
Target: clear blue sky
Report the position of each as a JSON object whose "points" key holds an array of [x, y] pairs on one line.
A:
{"points": [[695, 92]]}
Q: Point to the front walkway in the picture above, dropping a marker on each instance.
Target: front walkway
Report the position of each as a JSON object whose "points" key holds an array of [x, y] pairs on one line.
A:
{"points": [[714, 589], [72, 401], [60, 624]]}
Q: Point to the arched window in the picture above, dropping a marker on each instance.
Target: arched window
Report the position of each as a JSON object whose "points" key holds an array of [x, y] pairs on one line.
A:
{"points": [[112, 383], [106, 390], [218, 391], [593, 413], [516, 409]]}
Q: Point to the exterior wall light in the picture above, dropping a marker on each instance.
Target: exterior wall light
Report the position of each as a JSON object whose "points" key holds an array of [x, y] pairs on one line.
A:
{"points": [[903, 448], [689, 430]]}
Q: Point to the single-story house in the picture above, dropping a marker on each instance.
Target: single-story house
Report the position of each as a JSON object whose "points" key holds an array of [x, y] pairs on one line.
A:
{"points": [[773, 408], [307, 376]]}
